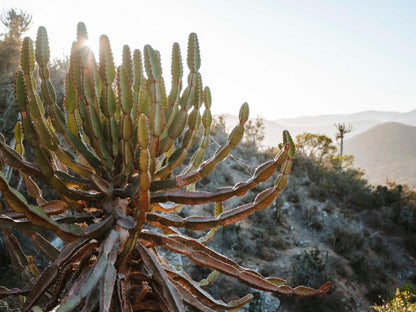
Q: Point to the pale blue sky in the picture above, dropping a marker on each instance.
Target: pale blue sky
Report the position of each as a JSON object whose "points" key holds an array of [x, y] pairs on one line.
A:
{"points": [[286, 58]]}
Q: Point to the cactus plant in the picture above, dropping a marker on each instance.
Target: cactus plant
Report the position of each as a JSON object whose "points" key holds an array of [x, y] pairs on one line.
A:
{"points": [[114, 155]]}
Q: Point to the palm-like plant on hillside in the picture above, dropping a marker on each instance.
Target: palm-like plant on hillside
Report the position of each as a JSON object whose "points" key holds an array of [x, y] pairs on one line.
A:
{"points": [[343, 129]]}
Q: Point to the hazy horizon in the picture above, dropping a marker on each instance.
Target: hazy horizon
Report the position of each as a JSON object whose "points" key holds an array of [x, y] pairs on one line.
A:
{"points": [[285, 58], [328, 114]]}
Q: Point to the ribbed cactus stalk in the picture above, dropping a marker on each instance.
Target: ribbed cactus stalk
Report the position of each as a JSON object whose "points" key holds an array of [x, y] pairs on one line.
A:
{"points": [[114, 155]]}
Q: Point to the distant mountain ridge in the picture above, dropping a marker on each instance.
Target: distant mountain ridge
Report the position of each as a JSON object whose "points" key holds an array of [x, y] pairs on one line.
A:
{"points": [[361, 122], [324, 124], [379, 116]]}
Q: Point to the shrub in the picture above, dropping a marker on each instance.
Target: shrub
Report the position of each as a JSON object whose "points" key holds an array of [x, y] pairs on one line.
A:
{"points": [[403, 302], [346, 238], [310, 267]]}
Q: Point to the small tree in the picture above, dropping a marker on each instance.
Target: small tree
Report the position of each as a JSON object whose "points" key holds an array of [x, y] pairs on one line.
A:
{"points": [[16, 24], [218, 124], [316, 146], [254, 131]]}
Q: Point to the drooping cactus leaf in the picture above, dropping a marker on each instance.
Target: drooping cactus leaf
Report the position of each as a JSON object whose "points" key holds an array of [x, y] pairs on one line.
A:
{"points": [[204, 256], [48, 276], [18, 257], [261, 174], [97, 272], [193, 288], [170, 298], [45, 246], [191, 299]]}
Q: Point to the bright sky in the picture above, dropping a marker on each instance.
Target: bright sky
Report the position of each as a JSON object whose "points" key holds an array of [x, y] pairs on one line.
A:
{"points": [[286, 58]]}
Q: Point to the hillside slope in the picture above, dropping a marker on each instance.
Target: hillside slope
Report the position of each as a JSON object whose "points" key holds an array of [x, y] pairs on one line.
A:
{"points": [[386, 151], [326, 225]]}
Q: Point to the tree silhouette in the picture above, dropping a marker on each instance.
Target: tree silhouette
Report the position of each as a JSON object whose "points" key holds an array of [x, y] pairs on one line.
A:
{"points": [[343, 129], [254, 131], [15, 22]]}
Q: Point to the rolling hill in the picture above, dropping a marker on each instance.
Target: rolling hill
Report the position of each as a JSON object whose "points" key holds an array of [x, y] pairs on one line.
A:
{"points": [[324, 124], [361, 122], [386, 151]]}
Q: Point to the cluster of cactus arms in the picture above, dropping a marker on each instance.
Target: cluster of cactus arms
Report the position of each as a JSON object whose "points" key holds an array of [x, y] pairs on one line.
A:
{"points": [[116, 155]]}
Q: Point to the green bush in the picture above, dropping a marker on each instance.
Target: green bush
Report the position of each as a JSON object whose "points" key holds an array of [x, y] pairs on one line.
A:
{"points": [[346, 238], [403, 302], [310, 267]]}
